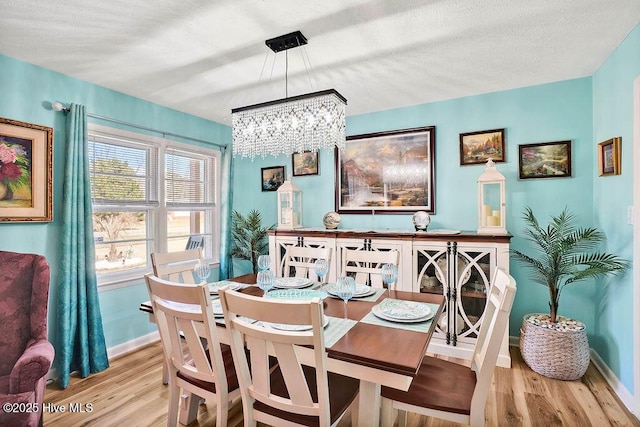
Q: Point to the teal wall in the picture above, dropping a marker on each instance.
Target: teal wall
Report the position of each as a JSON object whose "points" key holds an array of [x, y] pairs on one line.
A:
{"points": [[26, 93], [612, 331]]}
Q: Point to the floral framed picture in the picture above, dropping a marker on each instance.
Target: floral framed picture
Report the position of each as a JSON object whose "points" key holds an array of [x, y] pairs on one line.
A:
{"points": [[305, 163], [272, 178], [478, 147], [545, 160], [610, 157], [26, 171], [388, 172]]}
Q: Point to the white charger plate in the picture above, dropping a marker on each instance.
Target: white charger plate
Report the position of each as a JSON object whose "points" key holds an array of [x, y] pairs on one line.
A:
{"points": [[292, 282], [378, 312], [403, 310], [213, 287], [361, 291]]}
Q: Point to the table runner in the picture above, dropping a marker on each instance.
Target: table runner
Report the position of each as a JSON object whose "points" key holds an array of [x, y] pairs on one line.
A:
{"points": [[418, 327]]}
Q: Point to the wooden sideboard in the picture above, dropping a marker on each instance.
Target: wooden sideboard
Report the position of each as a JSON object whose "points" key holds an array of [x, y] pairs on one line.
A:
{"points": [[459, 265]]}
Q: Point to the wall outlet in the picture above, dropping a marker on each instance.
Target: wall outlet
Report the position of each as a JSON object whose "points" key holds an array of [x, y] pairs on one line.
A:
{"points": [[629, 214]]}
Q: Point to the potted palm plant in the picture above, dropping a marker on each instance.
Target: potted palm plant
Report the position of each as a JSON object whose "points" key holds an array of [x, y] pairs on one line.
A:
{"points": [[250, 239], [553, 345]]}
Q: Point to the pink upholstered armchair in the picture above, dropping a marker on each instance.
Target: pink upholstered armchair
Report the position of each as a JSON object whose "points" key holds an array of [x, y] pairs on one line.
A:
{"points": [[25, 353]]}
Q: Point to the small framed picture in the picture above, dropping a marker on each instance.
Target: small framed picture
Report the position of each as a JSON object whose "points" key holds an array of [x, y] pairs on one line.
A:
{"points": [[478, 147], [545, 160], [272, 178], [305, 163], [609, 157]]}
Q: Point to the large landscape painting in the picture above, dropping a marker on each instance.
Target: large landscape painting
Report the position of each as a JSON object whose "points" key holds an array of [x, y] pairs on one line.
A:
{"points": [[390, 172]]}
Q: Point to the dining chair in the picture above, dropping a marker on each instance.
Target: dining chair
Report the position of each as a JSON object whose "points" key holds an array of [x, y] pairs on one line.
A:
{"points": [[299, 261], [176, 267], [366, 266], [184, 314], [293, 392], [455, 392]]}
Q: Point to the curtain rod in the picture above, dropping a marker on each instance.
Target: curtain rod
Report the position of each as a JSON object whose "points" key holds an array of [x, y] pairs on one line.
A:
{"points": [[133, 125], [58, 106]]}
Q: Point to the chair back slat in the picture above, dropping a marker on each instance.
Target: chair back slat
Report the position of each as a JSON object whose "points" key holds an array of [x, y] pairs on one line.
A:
{"points": [[283, 346], [176, 266], [299, 261], [366, 266]]}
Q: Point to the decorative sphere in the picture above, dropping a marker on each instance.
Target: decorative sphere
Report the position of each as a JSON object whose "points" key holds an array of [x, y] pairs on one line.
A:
{"points": [[331, 220], [421, 220]]}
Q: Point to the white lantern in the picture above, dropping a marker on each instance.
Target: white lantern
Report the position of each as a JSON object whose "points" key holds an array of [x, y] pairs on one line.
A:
{"points": [[289, 206], [491, 201]]}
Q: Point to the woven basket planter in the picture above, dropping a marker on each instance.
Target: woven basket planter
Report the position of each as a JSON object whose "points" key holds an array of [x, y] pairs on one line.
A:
{"points": [[556, 350]]}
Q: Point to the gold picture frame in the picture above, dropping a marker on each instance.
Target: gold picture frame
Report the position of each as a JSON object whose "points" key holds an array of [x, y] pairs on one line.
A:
{"points": [[610, 157], [26, 172]]}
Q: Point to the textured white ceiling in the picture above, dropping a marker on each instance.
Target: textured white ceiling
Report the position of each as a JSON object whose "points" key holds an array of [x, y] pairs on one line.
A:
{"points": [[206, 57]]}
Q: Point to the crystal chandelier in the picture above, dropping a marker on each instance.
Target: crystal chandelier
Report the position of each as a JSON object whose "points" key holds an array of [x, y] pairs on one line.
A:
{"points": [[306, 122]]}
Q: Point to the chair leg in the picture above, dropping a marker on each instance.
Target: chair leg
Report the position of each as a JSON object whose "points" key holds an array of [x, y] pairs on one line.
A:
{"points": [[189, 408], [174, 403], [355, 408], [402, 418], [165, 372], [222, 411], [386, 413]]}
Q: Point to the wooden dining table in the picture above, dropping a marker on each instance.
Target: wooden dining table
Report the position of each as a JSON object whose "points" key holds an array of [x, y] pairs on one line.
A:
{"points": [[377, 355]]}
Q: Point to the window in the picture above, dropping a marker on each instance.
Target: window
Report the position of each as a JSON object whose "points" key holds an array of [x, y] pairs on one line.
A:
{"points": [[149, 194]]}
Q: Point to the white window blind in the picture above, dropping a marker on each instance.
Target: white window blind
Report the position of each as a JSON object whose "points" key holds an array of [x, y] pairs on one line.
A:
{"points": [[187, 180], [123, 172]]}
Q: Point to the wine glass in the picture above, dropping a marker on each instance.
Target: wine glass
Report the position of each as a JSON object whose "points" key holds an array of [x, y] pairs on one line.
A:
{"points": [[389, 275], [264, 262], [266, 280], [321, 267], [202, 271], [345, 288]]}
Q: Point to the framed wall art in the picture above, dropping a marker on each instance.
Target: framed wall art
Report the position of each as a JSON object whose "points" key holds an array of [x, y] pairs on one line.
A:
{"points": [[272, 178], [478, 147], [544, 160], [26, 172], [610, 157], [305, 163], [387, 172]]}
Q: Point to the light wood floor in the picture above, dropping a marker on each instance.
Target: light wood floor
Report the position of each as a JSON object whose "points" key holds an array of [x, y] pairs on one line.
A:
{"points": [[130, 393]]}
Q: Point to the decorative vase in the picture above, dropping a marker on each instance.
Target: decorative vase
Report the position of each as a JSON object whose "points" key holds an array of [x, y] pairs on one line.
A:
{"points": [[331, 220], [556, 350], [421, 220], [5, 191]]}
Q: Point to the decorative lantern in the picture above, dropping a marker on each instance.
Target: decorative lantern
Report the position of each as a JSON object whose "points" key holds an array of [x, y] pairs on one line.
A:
{"points": [[289, 206], [491, 201]]}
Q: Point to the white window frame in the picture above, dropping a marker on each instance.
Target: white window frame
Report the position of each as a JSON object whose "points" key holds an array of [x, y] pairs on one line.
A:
{"points": [[157, 215]]}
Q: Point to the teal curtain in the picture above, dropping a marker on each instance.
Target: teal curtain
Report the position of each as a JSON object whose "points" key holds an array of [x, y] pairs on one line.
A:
{"points": [[81, 346], [226, 208]]}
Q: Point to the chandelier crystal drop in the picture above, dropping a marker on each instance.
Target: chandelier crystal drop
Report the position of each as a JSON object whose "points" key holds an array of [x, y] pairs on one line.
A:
{"points": [[302, 123]]}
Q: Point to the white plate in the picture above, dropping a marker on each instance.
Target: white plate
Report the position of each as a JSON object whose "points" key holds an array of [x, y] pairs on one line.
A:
{"points": [[378, 313], [403, 310], [292, 282], [361, 290], [213, 287], [295, 328], [216, 305], [462, 264]]}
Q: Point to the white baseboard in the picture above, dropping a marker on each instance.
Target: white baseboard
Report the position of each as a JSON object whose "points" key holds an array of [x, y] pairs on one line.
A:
{"points": [[128, 346], [618, 388]]}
